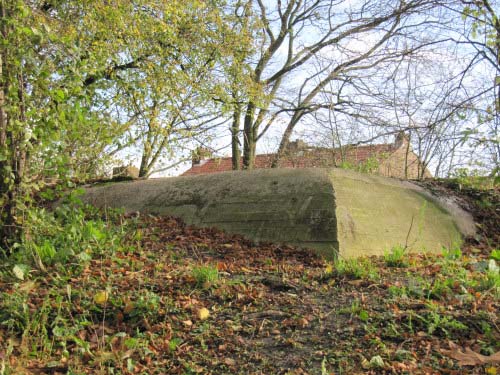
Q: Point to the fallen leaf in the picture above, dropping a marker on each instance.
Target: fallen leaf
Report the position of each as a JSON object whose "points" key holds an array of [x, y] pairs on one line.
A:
{"points": [[229, 361], [100, 298], [203, 313], [302, 322], [27, 286], [19, 271], [356, 282], [470, 357]]}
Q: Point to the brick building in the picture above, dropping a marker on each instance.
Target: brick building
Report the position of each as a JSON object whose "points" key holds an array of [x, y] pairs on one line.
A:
{"points": [[392, 160]]}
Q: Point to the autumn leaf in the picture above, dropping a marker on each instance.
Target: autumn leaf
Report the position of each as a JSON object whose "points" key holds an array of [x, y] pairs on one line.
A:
{"points": [[203, 313], [470, 357], [229, 362], [100, 298]]}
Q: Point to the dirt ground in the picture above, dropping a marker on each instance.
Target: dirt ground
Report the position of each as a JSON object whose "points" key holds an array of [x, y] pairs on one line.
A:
{"points": [[185, 300]]}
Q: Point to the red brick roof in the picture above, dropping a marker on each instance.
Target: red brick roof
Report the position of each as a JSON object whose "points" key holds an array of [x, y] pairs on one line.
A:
{"points": [[307, 158]]}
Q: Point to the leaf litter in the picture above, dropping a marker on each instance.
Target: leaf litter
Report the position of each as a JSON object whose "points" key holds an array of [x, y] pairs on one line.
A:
{"points": [[253, 309]]}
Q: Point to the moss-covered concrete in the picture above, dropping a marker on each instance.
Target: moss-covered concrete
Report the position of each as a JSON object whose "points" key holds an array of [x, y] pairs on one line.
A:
{"points": [[376, 213], [331, 210]]}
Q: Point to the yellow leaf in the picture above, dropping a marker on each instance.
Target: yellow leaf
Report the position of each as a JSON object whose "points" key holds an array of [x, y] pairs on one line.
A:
{"points": [[203, 313], [100, 298], [329, 269]]}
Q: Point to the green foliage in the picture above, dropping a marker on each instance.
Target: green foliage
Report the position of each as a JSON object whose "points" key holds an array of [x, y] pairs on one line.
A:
{"points": [[85, 80], [347, 165], [145, 305], [396, 257], [490, 280], [437, 322], [371, 165], [55, 247], [475, 180], [358, 310], [72, 232], [205, 276], [360, 268], [495, 255], [453, 253], [46, 328]]}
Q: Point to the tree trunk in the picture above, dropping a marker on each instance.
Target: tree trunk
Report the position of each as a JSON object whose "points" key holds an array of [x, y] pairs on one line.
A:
{"points": [[285, 139], [143, 169], [235, 141], [407, 152], [6, 209], [249, 138]]}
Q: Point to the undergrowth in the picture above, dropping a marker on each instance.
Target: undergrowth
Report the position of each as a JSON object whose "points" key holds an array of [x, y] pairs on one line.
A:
{"points": [[89, 292]]}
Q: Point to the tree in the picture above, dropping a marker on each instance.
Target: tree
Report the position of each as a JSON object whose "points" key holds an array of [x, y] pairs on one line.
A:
{"points": [[167, 98], [294, 33], [477, 37], [62, 65]]}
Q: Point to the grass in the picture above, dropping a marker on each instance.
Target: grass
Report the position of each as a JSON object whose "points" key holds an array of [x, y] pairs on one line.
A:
{"points": [[392, 314], [395, 257], [359, 268], [205, 276]]}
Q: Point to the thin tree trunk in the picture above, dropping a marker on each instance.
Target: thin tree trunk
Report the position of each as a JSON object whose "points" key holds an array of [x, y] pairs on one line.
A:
{"points": [[407, 152], [143, 169], [285, 139], [249, 138], [6, 218], [235, 141]]}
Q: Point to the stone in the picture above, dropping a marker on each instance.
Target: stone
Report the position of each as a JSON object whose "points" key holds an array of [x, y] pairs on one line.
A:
{"points": [[334, 211]]}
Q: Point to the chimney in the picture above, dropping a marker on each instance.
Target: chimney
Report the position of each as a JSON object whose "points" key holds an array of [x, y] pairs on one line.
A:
{"points": [[297, 145], [400, 140], [199, 154]]}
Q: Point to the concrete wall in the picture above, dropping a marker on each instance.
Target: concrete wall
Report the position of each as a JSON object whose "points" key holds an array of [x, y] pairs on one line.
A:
{"points": [[281, 205], [334, 211], [375, 213]]}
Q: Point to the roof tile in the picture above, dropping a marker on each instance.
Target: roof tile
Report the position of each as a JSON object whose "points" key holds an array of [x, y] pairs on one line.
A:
{"points": [[308, 158]]}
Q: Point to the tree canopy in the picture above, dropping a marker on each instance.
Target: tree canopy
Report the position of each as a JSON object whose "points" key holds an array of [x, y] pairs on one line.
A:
{"points": [[86, 83]]}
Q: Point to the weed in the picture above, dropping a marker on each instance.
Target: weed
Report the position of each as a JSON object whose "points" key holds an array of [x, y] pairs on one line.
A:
{"points": [[436, 322], [495, 255], [490, 280], [396, 257], [69, 233], [398, 291], [205, 276], [360, 268], [146, 305], [174, 343], [453, 253], [356, 309], [324, 371]]}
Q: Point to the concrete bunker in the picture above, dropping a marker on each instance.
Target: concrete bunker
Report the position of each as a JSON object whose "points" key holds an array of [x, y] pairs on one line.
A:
{"points": [[336, 212]]}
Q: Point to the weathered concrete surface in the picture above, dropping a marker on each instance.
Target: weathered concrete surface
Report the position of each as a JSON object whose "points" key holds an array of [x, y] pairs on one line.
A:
{"points": [[334, 211], [376, 213], [278, 205]]}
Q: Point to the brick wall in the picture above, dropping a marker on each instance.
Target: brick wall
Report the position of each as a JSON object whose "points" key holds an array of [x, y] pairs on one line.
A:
{"points": [[389, 157]]}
